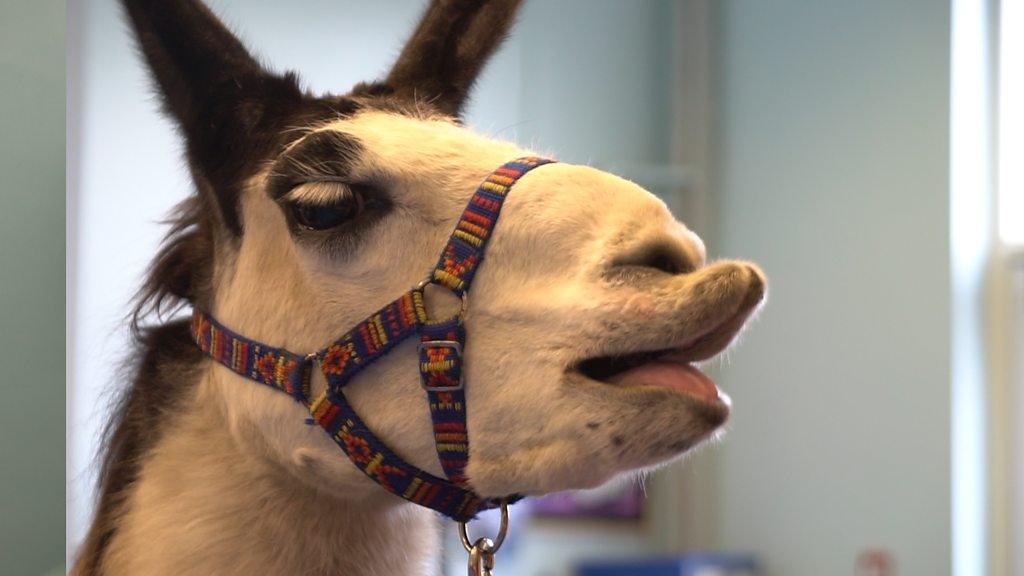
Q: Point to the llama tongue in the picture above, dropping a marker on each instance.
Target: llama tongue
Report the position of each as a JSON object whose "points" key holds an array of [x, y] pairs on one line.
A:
{"points": [[680, 377]]}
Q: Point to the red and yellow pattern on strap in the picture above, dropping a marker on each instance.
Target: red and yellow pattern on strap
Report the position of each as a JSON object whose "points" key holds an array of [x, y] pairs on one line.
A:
{"points": [[462, 255], [336, 416], [274, 367]]}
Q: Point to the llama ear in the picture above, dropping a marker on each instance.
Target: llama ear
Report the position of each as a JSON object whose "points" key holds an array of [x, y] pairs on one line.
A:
{"points": [[197, 63], [223, 100], [449, 49]]}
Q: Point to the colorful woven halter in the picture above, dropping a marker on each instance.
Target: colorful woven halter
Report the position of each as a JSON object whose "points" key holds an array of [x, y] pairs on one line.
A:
{"points": [[440, 351]]}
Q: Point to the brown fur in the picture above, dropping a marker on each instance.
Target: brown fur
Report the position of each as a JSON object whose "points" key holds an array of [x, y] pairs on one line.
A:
{"points": [[445, 54], [182, 271]]}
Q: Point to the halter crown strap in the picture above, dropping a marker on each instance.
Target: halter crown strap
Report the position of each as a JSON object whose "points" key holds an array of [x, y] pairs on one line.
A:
{"points": [[441, 371]]}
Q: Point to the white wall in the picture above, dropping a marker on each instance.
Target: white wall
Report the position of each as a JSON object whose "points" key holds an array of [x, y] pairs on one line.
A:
{"points": [[832, 173]]}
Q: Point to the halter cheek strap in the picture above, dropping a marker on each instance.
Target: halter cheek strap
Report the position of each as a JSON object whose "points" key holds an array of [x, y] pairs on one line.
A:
{"points": [[440, 361]]}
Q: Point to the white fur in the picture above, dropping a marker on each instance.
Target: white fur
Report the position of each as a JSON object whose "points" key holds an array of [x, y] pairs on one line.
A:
{"points": [[540, 304]]}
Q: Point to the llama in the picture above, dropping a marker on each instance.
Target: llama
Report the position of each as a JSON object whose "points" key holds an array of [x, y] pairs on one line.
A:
{"points": [[310, 214]]}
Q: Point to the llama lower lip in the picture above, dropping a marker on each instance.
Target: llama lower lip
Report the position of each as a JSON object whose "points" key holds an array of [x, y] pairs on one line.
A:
{"points": [[684, 378]]}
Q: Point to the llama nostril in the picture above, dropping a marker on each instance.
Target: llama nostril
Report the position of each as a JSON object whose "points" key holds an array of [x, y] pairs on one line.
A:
{"points": [[663, 256]]}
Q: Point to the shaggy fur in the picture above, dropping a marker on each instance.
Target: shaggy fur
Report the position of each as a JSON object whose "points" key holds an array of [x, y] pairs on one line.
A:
{"points": [[206, 473]]}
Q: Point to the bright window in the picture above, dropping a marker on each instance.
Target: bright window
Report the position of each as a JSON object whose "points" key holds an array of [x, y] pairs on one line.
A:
{"points": [[1011, 123]]}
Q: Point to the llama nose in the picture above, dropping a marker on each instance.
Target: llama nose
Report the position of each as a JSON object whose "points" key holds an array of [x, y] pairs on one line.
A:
{"points": [[663, 255]]}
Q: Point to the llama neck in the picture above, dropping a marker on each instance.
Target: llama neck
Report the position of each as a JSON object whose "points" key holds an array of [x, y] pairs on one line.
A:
{"points": [[206, 504]]}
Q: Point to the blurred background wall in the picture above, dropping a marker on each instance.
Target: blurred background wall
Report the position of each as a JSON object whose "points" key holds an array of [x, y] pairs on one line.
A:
{"points": [[810, 137], [832, 172], [31, 285]]}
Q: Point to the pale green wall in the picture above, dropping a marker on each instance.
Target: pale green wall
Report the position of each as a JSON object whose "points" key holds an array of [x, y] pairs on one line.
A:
{"points": [[833, 174], [31, 286]]}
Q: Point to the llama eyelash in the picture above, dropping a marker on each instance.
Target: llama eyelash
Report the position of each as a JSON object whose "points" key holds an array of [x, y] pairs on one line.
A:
{"points": [[320, 192]]}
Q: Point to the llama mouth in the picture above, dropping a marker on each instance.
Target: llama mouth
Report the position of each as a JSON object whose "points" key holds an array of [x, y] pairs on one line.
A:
{"points": [[657, 369], [671, 368]]}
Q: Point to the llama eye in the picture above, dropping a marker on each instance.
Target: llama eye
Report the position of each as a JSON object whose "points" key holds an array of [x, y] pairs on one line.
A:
{"points": [[316, 216]]}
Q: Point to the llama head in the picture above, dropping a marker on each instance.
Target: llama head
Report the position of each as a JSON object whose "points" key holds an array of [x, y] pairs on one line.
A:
{"points": [[314, 211]]}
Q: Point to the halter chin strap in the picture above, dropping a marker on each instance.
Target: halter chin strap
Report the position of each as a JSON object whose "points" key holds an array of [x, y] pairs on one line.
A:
{"points": [[440, 352]]}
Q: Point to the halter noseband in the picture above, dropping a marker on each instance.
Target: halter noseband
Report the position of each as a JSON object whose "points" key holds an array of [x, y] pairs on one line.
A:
{"points": [[440, 352]]}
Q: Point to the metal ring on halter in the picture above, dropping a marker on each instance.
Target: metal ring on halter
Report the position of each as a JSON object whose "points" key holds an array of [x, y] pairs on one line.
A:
{"points": [[502, 530], [313, 358], [464, 295], [481, 558]]}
